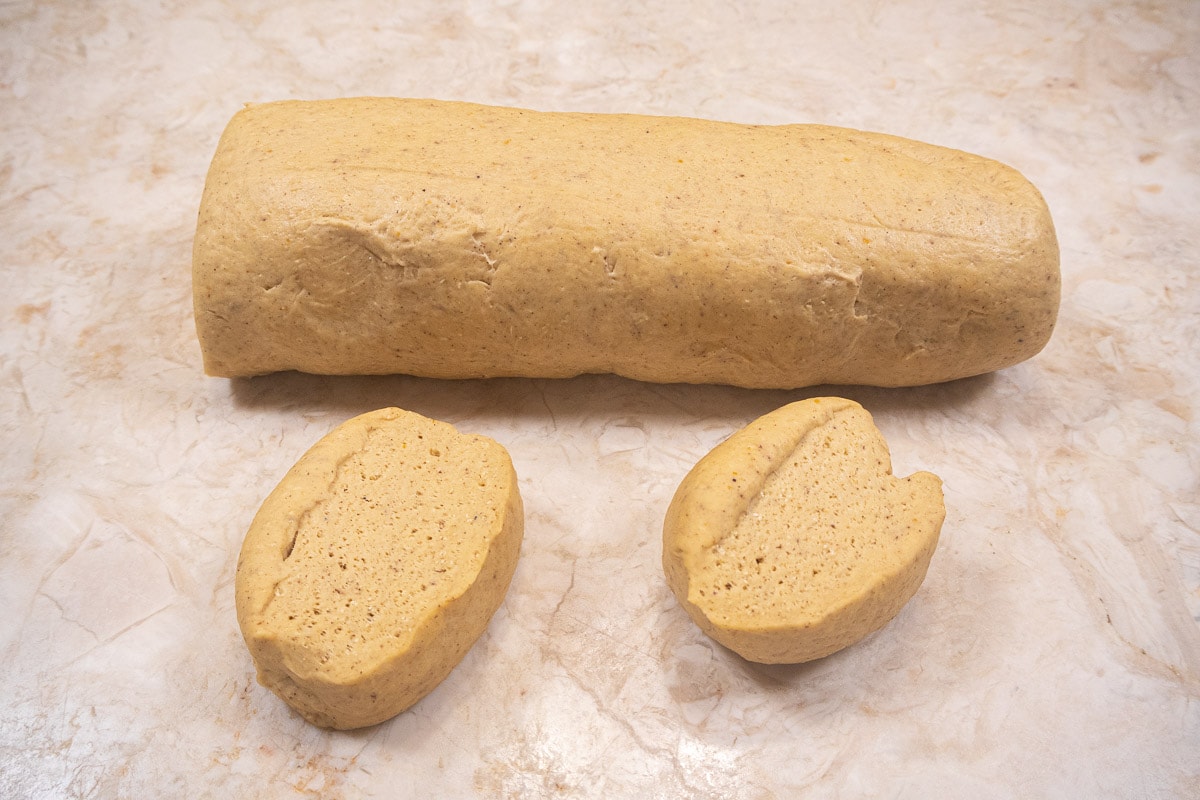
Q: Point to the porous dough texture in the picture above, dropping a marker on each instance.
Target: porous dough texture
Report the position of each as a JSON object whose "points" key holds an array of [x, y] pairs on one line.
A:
{"points": [[792, 539], [453, 240], [375, 564]]}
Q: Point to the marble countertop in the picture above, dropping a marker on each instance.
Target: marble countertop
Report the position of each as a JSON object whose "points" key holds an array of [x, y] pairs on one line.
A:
{"points": [[1054, 649]]}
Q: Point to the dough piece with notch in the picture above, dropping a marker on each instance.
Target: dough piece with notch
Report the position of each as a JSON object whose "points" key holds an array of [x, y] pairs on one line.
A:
{"points": [[792, 539], [376, 563]]}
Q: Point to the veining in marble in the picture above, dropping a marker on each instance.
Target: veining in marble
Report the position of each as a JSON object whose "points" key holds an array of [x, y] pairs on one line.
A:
{"points": [[1054, 649]]}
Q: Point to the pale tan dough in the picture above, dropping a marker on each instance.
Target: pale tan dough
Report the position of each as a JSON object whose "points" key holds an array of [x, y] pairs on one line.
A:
{"points": [[792, 539], [376, 563], [453, 240]]}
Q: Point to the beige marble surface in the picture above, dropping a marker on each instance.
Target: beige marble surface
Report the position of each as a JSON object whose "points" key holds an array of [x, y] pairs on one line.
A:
{"points": [[1054, 650]]}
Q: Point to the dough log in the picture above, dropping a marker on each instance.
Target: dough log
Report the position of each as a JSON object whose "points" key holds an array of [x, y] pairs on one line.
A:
{"points": [[451, 240]]}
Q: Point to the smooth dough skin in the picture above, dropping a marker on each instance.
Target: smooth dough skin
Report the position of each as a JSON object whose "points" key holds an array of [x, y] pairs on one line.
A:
{"points": [[451, 240], [376, 563], [792, 539]]}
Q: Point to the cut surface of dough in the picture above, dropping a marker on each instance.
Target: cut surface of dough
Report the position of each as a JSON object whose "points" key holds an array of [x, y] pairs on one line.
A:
{"points": [[375, 564], [792, 539]]}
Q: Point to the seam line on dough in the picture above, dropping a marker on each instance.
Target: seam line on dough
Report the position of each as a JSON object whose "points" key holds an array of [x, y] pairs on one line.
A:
{"points": [[774, 467], [303, 516]]}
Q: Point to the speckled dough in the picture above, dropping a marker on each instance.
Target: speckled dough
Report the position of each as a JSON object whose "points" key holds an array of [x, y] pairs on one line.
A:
{"points": [[454, 240], [792, 539], [376, 563]]}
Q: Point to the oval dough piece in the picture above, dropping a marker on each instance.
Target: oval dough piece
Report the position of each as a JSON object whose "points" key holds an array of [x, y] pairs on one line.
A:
{"points": [[375, 564], [792, 539], [452, 240]]}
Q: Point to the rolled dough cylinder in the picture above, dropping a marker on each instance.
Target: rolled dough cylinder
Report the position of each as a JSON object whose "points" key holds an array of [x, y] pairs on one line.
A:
{"points": [[451, 240]]}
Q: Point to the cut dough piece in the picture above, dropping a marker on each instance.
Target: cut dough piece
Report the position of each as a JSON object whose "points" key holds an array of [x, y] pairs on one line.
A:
{"points": [[792, 539], [376, 563]]}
